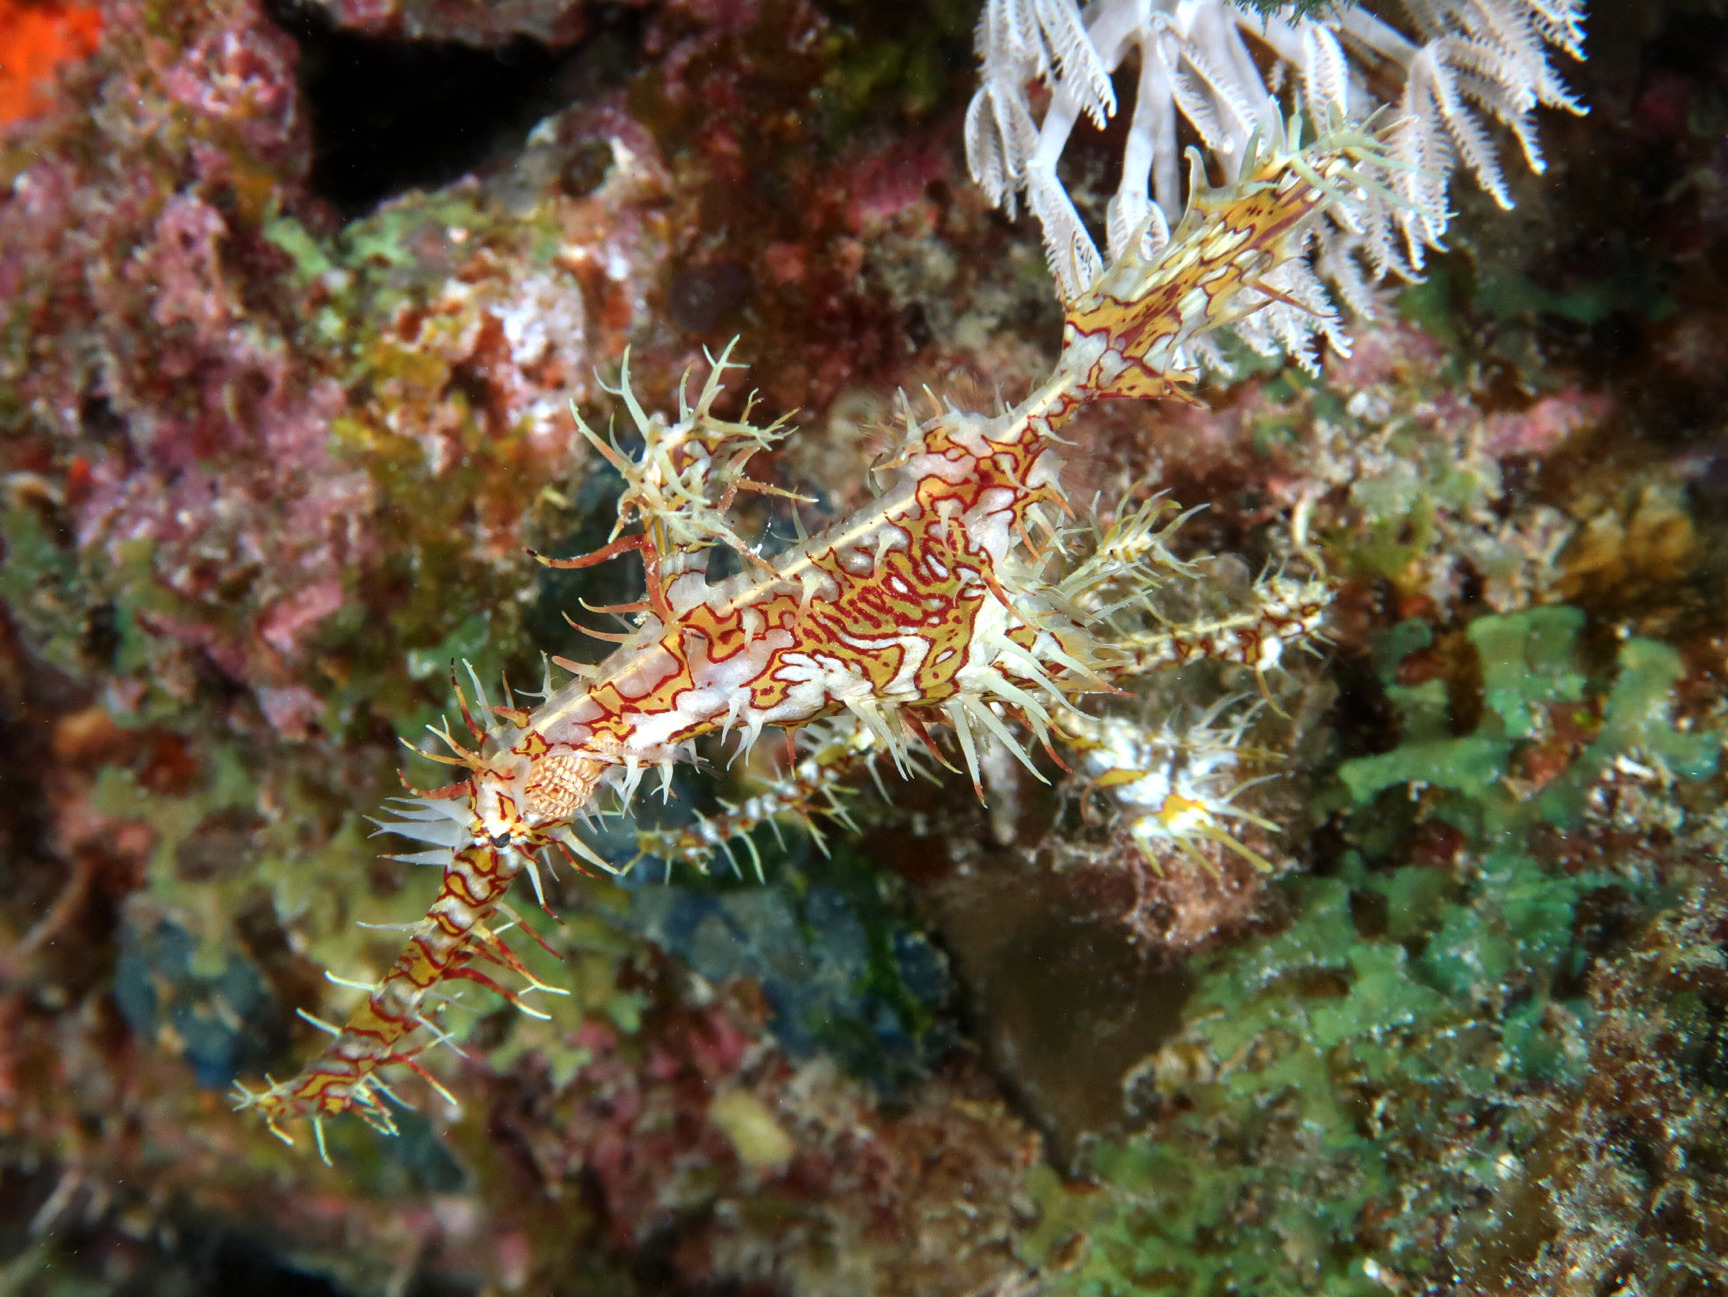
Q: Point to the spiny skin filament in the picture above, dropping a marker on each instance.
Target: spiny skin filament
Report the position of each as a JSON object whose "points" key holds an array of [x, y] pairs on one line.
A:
{"points": [[932, 607], [812, 784], [443, 946]]}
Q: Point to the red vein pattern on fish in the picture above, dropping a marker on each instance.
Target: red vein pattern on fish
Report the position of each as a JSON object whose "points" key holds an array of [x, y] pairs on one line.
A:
{"points": [[948, 603]]}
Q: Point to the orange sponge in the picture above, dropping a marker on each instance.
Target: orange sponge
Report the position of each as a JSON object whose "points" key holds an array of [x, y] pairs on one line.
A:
{"points": [[36, 38]]}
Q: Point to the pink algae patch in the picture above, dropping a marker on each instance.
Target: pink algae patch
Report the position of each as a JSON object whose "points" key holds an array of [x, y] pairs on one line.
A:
{"points": [[1546, 424], [37, 38]]}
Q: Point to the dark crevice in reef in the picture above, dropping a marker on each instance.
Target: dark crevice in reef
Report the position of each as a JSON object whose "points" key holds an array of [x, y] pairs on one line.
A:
{"points": [[391, 114], [197, 1263]]}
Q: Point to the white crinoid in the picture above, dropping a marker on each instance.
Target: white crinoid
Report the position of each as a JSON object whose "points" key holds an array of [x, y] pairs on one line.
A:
{"points": [[1174, 785], [1460, 68]]}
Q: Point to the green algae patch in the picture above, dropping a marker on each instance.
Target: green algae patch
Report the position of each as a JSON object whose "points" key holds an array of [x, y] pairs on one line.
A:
{"points": [[1333, 1101], [1349, 1095], [1405, 499], [42, 584], [1528, 664], [1471, 765], [1542, 719], [1637, 727]]}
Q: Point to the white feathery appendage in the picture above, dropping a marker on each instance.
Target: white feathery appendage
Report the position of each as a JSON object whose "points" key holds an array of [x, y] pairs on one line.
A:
{"points": [[444, 825], [1466, 66]]}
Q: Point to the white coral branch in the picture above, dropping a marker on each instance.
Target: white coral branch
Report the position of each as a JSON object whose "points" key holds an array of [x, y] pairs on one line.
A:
{"points": [[1466, 66]]}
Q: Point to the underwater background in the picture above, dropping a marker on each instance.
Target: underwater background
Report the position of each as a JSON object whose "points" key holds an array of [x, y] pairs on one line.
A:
{"points": [[293, 298]]}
